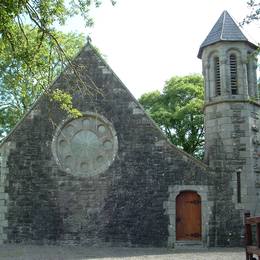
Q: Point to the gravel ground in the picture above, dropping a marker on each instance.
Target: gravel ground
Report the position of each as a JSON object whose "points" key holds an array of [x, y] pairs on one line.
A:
{"points": [[29, 252]]}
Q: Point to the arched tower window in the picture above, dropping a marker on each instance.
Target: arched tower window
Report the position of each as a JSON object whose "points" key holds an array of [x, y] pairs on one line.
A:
{"points": [[233, 74], [217, 76]]}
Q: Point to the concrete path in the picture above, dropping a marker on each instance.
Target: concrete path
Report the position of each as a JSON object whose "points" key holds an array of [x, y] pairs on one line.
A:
{"points": [[29, 252]]}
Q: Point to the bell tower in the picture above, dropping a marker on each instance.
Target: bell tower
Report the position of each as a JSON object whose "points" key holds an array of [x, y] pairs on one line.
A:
{"points": [[232, 112]]}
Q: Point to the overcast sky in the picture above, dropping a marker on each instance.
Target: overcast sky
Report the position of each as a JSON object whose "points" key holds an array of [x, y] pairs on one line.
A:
{"points": [[146, 42]]}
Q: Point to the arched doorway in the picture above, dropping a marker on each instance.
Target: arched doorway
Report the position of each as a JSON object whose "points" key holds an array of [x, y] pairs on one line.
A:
{"points": [[188, 216]]}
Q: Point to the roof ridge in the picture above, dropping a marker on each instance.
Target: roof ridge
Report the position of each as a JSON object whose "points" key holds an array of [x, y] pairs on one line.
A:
{"points": [[223, 23]]}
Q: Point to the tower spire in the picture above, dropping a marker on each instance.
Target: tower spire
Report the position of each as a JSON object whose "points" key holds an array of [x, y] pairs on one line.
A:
{"points": [[225, 29]]}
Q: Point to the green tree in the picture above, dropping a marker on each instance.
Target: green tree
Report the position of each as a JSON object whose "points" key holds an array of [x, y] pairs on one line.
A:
{"points": [[25, 72], [32, 52], [178, 112], [42, 15]]}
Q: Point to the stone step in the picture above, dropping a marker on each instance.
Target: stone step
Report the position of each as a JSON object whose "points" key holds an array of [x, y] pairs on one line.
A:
{"points": [[188, 244]]}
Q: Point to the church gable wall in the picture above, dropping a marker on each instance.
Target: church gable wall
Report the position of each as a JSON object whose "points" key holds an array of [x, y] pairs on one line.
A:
{"points": [[124, 203]]}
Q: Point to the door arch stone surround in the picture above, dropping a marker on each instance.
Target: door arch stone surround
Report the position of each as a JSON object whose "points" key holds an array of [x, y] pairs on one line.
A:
{"points": [[206, 211]]}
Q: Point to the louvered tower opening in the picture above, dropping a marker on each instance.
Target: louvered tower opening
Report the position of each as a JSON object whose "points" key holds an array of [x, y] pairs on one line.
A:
{"points": [[233, 74], [217, 76]]}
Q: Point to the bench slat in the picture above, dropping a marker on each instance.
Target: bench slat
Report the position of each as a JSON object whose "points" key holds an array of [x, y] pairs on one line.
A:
{"points": [[253, 250], [252, 220]]}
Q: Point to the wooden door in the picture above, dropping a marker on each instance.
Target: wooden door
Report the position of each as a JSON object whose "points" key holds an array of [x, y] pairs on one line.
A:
{"points": [[188, 216]]}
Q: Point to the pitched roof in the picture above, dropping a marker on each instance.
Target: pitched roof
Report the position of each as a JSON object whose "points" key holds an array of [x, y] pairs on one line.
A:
{"points": [[225, 29]]}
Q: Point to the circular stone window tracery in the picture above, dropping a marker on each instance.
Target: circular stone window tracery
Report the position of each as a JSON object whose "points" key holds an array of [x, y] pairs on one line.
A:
{"points": [[85, 146]]}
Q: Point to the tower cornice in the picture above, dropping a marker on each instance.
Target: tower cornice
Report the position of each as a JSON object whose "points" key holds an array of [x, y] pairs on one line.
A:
{"points": [[249, 101]]}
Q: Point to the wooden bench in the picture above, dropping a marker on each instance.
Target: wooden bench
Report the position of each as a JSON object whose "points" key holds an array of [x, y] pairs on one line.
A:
{"points": [[250, 248]]}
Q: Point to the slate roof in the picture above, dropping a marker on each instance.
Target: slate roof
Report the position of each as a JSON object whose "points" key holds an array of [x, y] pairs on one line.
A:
{"points": [[225, 29]]}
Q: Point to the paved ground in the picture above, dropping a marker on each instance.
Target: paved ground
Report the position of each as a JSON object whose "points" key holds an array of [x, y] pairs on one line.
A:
{"points": [[22, 252]]}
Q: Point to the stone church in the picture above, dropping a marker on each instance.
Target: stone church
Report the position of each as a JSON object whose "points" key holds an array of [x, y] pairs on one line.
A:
{"points": [[110, 177]]}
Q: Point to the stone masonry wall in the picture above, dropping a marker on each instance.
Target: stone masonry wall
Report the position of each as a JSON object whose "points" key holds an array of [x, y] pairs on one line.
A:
{"points": [[124, 205], [229, 146]]}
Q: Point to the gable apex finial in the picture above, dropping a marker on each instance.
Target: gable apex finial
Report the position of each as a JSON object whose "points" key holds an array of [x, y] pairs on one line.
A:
{"points": [[89, 40]]}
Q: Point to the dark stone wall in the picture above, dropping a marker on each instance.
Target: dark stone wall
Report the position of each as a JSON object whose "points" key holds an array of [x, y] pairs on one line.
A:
{"points": [[228, 221], [124, 204]]}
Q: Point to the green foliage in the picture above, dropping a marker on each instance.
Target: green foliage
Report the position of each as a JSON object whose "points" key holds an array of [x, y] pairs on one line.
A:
{"points": [[178, 112], [32, 52], [254, 14], [25, 72], [43, 13], [65, 101]]}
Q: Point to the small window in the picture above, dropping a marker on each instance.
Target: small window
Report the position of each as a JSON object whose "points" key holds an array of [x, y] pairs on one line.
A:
{"points": [[238, 187], [233, 74], [217, 76]]}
